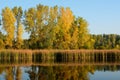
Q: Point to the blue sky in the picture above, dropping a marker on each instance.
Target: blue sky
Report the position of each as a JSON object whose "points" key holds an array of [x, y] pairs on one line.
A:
{"points": [[103, 16]]}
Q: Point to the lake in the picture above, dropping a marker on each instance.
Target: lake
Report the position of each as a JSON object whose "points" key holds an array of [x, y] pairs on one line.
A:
{"points": [[59, 65]]}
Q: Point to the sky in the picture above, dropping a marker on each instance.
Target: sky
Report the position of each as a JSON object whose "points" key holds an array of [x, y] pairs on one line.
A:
{"points": [[103, 16]]}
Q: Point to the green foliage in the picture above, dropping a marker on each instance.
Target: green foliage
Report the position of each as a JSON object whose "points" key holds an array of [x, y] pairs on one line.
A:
{"points": [[106, 41], [18, 13], [83, 34]]}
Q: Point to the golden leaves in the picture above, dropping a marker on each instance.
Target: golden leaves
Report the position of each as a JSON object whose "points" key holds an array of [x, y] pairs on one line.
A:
{"points": [[66, 18], [8, 24], [19, 36]]}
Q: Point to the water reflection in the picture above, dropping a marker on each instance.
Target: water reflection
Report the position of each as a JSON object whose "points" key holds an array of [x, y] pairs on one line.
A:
{"points": [[57, 65], [59, 73], [49, 73], [11, 73], [55, 72]]}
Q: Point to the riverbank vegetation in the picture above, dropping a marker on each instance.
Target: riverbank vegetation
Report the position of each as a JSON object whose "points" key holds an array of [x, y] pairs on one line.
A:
{"points": [[59, 57], [50, 28]]}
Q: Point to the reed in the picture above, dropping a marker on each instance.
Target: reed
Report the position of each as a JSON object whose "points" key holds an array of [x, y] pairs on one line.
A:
{"points": [[33, 57]]}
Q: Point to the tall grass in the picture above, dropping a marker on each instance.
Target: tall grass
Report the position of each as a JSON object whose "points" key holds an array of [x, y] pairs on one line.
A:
{"points": [[36, 57]]}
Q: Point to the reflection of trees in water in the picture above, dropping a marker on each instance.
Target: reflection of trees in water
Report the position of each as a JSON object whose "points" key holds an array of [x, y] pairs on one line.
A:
{"points": [[67, 72], [12, 73], [61, 73], [56, 72], [108, 68], [18, 74], [9, 73]]}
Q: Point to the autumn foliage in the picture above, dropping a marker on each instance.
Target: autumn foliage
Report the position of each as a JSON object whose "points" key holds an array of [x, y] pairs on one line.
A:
{"points": [[48, 27]]}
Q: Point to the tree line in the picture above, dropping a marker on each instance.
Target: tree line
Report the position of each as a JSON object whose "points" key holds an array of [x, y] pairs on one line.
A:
{"points": [[49, 28], [106, 41]]}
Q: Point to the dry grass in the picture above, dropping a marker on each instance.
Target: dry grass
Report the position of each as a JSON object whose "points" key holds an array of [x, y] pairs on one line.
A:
{"points": [[44, 57], [55, 51]]}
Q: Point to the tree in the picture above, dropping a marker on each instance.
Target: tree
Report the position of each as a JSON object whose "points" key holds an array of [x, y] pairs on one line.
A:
{"points": [[83, 34], [36, 20], [42, 26], [8, 19], [18, 12], [19, 42], [51, 27], [30, 24], [90, 43], [74, 36], [2, 39], [65, 21], [1, 44]]}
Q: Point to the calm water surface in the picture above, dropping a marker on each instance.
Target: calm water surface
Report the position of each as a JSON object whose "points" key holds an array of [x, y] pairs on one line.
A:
{"points": [[60, 73], [60, 66]]}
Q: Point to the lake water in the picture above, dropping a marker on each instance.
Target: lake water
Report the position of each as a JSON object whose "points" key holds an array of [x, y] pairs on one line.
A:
{"points": [[98, 65], [60, 73]]}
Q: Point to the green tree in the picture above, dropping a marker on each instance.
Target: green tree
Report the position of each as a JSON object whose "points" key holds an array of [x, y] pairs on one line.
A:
{"points": [[36, 22], [30, 24], [18, 12], [90, 43], [52, 27], [83, 33], [42, 25]]}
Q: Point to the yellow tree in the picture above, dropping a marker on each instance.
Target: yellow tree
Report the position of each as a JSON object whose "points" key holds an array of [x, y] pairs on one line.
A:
{"points": [[1, 44], [74, 37], [8, 19], [66, 18], [64, 22], [2, 38], [19, 36]]}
